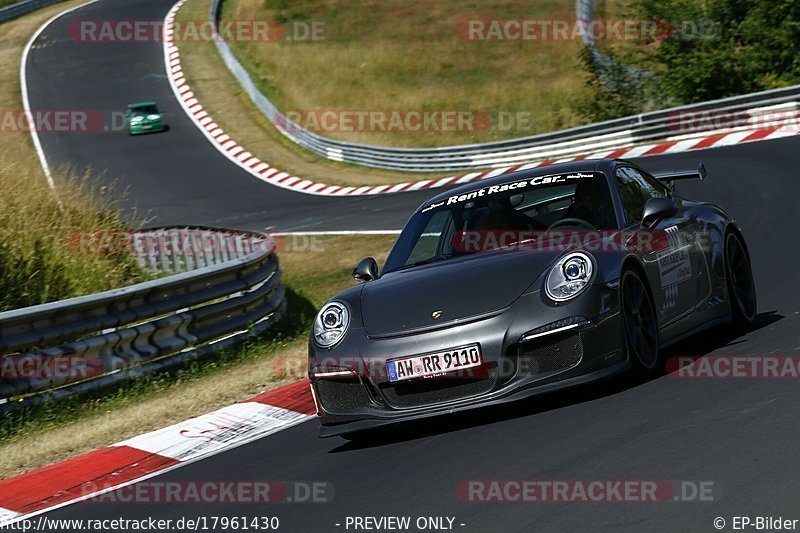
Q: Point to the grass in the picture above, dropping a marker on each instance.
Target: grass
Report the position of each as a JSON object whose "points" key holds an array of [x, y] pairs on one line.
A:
{"points": [[618, 10], [400, 55], [312, 273], [39, 260]]}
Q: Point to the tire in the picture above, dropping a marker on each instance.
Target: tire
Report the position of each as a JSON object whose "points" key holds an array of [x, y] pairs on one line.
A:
{"points": [[639, 324], [739, 279]]}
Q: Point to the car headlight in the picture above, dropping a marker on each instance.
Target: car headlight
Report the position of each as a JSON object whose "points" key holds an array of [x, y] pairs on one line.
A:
{"points": [[134, 120], [153, 117], [569, 277], [331, 324]]}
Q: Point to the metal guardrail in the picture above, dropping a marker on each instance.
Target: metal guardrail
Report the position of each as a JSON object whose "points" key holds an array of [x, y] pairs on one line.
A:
{"points": [[227, 289], [18, 9], [626, 131], [177, 249]]}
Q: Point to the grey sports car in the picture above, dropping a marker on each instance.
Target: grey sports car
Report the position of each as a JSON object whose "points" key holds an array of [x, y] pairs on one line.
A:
{"points": [[525, 283]]}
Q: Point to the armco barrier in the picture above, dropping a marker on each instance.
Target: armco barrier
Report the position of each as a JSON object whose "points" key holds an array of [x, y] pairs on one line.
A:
{"points": [[125, 333], [18, 9], [177, 249], [769, 108]]}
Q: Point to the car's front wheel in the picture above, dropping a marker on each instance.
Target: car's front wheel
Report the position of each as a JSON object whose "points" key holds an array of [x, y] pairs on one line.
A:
{"points": [[640, 324], [741, 287]]}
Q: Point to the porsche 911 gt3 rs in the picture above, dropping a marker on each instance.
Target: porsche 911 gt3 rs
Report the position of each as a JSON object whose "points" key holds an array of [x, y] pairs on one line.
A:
{"points": [[525, 283]]}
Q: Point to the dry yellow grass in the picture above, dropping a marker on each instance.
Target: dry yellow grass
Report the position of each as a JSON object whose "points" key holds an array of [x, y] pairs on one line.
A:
{"points": [[40, 259], [309, 271], [400, 55]]}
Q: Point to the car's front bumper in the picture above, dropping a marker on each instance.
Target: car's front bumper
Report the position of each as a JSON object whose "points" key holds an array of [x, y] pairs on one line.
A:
{"points": [[512, 395], [147, 127], [589, 349]]}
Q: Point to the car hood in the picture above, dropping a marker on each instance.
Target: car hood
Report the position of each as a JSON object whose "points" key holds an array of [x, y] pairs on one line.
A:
{"points": [[405, 300]]}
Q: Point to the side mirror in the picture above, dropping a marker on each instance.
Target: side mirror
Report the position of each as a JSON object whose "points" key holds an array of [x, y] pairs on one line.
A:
{"points": [[366, 270], [657, 209]]}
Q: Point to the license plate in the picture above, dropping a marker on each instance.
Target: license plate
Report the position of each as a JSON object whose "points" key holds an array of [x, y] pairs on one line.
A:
{"points": [[434, 364]]}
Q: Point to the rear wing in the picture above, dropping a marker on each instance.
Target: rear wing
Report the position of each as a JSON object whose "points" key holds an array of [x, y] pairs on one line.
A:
{"points": [[668, 177]]}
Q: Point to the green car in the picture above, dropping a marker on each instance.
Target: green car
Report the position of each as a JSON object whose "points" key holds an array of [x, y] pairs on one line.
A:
{"points": [[144, 117]]}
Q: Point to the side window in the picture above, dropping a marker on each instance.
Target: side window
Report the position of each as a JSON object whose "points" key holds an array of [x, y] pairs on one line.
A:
{"points": [[434, 238], [635, 189]]}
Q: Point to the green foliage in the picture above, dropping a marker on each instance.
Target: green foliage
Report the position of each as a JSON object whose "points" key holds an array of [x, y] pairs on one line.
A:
{"points": [[701, 50], [721, 48]]}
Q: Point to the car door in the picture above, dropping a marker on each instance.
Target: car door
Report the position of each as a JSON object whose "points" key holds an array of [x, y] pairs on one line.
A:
{"points": [[674, 261]]}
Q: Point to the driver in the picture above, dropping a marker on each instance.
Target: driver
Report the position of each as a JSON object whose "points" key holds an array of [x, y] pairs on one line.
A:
{"points": [[587, 204]]}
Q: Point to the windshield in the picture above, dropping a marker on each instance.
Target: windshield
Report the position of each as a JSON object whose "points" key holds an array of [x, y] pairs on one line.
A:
{"points": [[145, 110], [502, 215]]}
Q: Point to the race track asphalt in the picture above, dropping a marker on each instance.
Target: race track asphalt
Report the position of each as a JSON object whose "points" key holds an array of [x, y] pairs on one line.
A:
{"points": [[742, 435]]}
